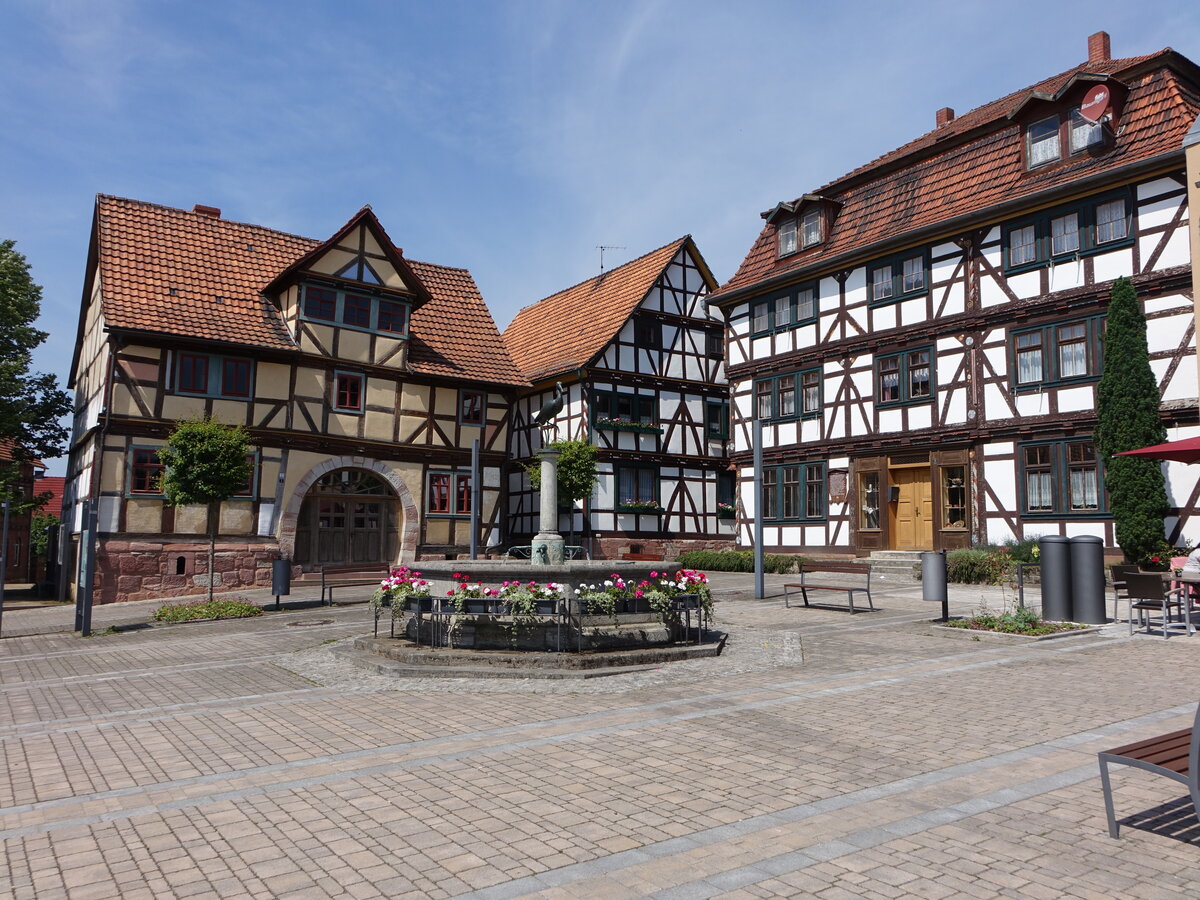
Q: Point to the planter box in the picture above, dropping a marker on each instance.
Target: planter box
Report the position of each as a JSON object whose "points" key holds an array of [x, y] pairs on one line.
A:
{"points": [[1001, 636], [635, 427]]}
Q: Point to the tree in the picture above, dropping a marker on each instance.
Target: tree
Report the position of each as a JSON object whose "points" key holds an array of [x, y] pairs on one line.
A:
{"points": [[205, 462], [31, 403], [1127, 408], [576, 473]]}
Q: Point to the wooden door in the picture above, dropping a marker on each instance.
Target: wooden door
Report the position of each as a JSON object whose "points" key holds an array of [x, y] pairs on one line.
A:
{"points": [[912, 512]]}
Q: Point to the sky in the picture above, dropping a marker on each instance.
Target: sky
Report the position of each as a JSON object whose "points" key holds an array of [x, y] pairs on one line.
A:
{"points": [[509, 138]]}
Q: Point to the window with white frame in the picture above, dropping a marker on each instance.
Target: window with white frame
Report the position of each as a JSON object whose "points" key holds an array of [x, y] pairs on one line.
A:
{"points": [[810, 228], [1043, 142], [904, 377], [1084, 134], [881, 282], [1058, 352], [1062, 478], [1022, 246], [1111, 224], [787, 237], [1064, 234]]}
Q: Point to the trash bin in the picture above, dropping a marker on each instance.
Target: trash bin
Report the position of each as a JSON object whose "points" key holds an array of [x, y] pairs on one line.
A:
{"points": [[1087, 579], [933, 580], [281, 578], [1055, 556]]}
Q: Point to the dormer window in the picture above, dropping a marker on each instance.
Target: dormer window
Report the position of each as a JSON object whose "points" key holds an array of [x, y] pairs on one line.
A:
{"points": [[787, 237], [1084, 134], [1043, 142], [810, 228], [354, 310]]}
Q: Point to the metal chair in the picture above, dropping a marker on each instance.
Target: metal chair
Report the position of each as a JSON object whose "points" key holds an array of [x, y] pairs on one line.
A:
{"points": [[1120, 592], [1148, 592]]}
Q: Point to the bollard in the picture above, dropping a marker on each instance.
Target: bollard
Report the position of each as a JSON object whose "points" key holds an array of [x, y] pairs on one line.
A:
{"points": [[933, 580], [1087, 579], [1055, 556], [281, 578]]}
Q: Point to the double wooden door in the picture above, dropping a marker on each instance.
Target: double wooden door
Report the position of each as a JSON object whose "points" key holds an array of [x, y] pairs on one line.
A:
{"points": [[912, 513]]}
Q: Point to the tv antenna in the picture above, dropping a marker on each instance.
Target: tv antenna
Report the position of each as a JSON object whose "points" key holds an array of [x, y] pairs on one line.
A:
{"points": [[602, 248]]}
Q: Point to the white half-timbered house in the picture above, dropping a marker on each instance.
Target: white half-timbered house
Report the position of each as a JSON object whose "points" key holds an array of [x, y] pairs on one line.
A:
{"points": [[363, 378], [922, 338], [640, 357]]}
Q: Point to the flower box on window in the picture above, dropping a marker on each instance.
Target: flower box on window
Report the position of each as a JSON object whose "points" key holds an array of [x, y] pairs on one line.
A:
{"points": [[628, 425], [726, 511], [649, 507]]}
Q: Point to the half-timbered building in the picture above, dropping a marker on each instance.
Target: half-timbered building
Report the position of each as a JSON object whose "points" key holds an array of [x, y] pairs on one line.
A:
{"points": [[362, 376], [921, 339], [640, 358]]}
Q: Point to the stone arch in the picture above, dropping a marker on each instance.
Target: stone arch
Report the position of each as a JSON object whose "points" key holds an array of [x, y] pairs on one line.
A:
{"points": [[410, 524]]}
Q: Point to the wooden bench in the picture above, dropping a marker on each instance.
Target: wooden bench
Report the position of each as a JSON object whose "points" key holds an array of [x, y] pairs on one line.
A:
{"points": [[844, 586], [1175, 756], [349, 576]]}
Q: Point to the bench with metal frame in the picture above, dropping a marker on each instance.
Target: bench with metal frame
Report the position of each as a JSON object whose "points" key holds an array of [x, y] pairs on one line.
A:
{"points": [[344, 576], [805, 585], [1175, 755]]}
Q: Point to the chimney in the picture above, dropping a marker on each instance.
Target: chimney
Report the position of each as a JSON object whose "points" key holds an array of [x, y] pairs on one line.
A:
{"points": [[1099, 49], [202, 210], [945, 116]]}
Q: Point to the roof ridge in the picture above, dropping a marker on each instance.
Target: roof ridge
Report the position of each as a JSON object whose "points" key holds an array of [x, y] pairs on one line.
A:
{"points": [[187, 212], [678, 241]]}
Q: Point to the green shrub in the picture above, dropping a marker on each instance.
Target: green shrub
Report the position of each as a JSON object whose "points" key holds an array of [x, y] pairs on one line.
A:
{"points": [[206, 609], [977, 565], [737, 561], [1023, 551]]}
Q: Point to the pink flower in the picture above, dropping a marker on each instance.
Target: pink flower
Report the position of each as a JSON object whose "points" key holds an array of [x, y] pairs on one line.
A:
{"points": [[637, 593]]}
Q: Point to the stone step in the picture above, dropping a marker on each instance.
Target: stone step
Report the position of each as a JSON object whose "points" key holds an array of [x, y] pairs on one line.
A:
{"points": [[381, 665], [914, 555]]}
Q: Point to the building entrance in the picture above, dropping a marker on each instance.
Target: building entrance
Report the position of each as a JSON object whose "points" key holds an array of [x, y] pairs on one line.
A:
{"points": [[912, 513], [348, 517]]}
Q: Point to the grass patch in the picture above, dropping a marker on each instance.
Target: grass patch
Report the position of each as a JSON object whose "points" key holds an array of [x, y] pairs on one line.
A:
{"points": [[1019, 621], [206, 609], [737, 561]]}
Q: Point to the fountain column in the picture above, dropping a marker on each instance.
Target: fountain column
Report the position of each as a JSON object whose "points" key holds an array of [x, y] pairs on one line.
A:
{"points": [[548, 548]]}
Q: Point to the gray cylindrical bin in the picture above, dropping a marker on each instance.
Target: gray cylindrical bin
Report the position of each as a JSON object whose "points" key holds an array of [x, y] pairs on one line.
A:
{"points": [[281, 577], [1087, 579], [933, 580], [1055, 556]]}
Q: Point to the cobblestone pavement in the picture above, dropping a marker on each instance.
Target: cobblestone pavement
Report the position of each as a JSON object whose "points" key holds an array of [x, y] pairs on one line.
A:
{"points": [[820, 755]]}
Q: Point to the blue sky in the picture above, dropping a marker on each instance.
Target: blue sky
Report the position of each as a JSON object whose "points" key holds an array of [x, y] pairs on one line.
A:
{"points": [[508, 138]]}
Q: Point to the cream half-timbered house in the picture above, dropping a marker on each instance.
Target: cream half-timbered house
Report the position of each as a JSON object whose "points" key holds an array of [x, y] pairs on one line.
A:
{"points": [[363, 378], [640, 357], [922, 338]]}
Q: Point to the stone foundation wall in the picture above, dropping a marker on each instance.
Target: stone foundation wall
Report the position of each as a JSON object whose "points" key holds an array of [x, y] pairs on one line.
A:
{"points": [[667, 548], [147, 570]]}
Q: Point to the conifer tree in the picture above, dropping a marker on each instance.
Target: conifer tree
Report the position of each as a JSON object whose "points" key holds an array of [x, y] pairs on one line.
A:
{"points": [[1127, 408]]}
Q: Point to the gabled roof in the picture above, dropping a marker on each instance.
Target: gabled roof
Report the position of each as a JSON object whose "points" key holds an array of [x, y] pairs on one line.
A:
{"points": [[566, 330], [54, 485], [172, 272], [974, 162]]}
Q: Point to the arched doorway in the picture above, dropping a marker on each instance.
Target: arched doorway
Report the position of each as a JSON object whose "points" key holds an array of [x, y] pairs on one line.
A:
{"points": [[348, 517]]}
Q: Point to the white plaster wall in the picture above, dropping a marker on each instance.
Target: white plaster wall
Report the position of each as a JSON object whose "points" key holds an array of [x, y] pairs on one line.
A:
{"points": [[1113, 264], [1076, 399]]}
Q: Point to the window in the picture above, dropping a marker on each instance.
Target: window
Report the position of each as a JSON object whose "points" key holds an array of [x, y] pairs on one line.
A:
{"points": [[904, 377], [448, 493], [1062, 478], [716, 418], [348, 392], [868, 501], [1064, 234], [1084, 134], [775, 398], [787, 237], [725, 488], [810, 228], [1022, 246], [637, 485], [794, 492], [1059, 352], [714, 344], [320, 303], [613, 408], [1067, 233], [1111, 224], [471, 406], [954, 497], [797, 306], [1043, 142], [193, 374], [354, 310], [898, 278], [213, 376], [647, 333], [145, 472]]}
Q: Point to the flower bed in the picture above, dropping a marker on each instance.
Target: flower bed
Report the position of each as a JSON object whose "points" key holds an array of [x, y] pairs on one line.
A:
{"points": [[206, 609], [1022, 621]]}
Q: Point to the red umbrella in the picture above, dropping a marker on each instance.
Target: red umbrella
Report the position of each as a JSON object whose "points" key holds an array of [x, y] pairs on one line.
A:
{"points": [[1185, 451]]}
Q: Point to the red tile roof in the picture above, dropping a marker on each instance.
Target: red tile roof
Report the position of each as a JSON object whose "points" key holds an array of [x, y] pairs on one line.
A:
{"points": [[975, 161], [53, 485], [565, 330], [218, 268]]}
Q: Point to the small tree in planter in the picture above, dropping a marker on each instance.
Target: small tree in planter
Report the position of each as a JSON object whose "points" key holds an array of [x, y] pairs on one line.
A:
{"points": [[1128, 418], [205, 462]]}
